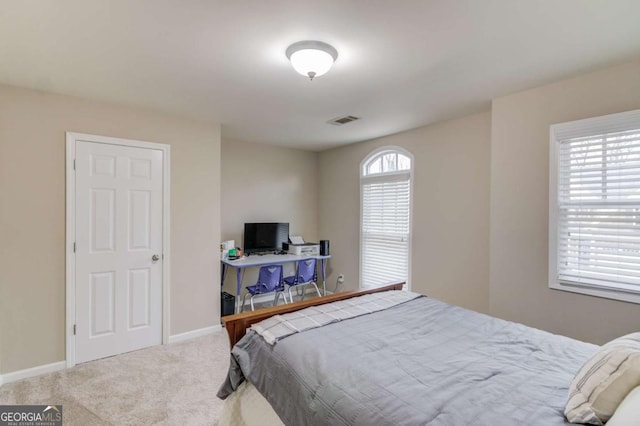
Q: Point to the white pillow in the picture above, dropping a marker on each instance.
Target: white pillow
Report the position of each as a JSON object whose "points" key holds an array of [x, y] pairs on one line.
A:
{"points": [[628, 412], [604, 381]]}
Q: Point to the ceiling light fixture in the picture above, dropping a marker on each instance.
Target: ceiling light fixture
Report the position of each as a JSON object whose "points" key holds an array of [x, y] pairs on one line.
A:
{"points": [[311, 58]]}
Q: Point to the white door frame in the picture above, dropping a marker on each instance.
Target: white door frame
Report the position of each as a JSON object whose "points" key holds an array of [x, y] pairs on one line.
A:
{"points": [[72, 138]]}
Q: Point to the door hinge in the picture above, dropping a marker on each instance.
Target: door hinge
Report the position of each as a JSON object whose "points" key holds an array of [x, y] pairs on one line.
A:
{"points": [[74, 247], [74, 164], [74, 329]]}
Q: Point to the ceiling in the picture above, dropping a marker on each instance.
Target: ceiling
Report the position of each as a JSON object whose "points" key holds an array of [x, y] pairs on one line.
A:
{"points": [[401, 64]]}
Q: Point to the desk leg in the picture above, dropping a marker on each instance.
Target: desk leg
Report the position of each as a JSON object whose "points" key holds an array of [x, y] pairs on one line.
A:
{"points": [[239, 275], [323, 266], [224, 274]]}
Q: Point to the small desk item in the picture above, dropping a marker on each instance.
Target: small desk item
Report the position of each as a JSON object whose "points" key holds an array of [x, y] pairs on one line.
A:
{"points": [[268, 259]]}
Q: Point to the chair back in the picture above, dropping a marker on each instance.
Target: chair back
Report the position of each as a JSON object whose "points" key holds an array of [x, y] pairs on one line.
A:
{"points": [[270, 278], [307, 271]]}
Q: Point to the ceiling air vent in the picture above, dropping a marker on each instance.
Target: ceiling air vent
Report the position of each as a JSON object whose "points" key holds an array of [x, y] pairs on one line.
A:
{"points": [[343, 120]]}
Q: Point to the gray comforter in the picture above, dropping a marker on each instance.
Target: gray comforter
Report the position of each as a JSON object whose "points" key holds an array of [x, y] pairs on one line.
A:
{"points": [[421, 362]]}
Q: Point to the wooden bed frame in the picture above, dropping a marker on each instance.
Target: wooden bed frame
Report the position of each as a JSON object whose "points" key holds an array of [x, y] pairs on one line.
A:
{"points": [[237, 324]]}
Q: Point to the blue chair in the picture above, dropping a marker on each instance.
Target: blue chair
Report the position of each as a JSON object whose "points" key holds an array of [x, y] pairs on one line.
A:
{"points": [[269, 281], [306, 274]]}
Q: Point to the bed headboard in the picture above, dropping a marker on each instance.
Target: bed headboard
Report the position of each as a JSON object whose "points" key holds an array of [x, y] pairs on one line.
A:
{"points": [[237, 324]]}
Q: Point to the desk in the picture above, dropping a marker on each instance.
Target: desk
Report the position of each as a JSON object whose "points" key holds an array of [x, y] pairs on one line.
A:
{"points": [[268, 259]]}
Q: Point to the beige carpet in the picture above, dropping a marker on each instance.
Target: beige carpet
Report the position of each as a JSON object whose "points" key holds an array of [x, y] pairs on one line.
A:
{"points": [[172, 384]]}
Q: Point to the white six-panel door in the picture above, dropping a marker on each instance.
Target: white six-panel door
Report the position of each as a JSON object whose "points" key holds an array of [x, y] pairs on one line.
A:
{"points": [[118, 258]]}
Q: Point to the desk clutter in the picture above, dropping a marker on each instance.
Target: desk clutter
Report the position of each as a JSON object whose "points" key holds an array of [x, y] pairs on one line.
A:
{"points": [[271, 238], [229, 251]]}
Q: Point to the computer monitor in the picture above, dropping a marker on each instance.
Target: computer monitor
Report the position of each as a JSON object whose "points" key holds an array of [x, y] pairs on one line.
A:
{"points": [[265, 237]]}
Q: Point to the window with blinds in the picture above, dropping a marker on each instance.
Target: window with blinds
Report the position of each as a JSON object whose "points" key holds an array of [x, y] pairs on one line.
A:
{"points": [[596, 209], [385, 218]]}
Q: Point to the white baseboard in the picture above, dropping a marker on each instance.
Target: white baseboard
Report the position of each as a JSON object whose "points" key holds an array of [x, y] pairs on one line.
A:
{"points": [[262, 298], [32, 372], [195, 333]]}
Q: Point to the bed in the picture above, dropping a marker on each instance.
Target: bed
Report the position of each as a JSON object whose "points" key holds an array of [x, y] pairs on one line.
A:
{"points": [[418, 362]]}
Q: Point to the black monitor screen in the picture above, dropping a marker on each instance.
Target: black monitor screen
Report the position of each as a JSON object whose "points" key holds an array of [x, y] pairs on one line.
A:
{"points": [[262, 237]]}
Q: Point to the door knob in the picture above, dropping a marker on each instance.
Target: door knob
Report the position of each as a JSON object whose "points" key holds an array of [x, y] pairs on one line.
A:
{"points": [[155, 257]]}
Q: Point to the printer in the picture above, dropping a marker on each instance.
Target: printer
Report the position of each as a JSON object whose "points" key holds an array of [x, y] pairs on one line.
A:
{"points": [[304, 249], [299, 247]]}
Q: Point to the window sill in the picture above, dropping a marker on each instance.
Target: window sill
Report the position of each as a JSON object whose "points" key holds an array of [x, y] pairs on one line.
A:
{"points": [[620, 295]]}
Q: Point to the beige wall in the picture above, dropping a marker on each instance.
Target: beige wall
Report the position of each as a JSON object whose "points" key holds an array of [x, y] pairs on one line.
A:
{"points": [[519, 204], [450, 259], [32, 216], [262, 183]]}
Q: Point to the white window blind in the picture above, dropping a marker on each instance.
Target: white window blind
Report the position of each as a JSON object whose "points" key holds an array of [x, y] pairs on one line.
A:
{"points": [[385, 225], [598, 202]]}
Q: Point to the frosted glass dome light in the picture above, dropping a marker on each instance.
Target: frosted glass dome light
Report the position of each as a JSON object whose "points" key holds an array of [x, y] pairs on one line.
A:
{"points": [[311, 58]]}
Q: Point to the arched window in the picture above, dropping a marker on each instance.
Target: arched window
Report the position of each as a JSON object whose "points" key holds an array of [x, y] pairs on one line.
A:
{"points": [[385, 217]]}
